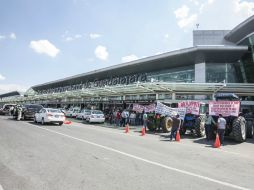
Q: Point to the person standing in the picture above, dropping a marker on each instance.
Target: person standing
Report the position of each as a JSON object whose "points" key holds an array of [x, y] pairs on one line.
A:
{"points": [[221, 124], [175, 126], [145, 120], [118, 118], [208, 126]]}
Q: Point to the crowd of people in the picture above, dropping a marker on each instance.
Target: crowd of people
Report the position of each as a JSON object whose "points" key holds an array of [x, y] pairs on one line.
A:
{"points": [[120, 118]]}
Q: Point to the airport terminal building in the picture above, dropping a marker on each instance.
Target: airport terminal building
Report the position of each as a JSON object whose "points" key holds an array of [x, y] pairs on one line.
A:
{"points": [[219, 61]]}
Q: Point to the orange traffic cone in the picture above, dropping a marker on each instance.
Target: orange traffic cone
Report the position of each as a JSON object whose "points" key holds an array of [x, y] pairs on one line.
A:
{"points": [[143, 131], [127, 128], [178, 136], [67, 122], [217, 142]]}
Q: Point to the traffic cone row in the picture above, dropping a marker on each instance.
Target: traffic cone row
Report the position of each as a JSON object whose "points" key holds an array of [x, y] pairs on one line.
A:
{"points": [[217, 142]]}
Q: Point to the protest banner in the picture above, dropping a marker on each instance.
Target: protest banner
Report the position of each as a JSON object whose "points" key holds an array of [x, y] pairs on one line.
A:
{"points": [[149, 108], [226, 108], [168, 111], [138, 108], [191, 106]]}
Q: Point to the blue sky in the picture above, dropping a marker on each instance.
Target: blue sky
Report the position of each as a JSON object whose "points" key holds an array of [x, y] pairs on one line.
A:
{"points": [[46, 40]]}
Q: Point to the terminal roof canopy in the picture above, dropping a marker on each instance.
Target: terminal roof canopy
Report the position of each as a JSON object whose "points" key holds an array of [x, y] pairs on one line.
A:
{"points": [[9, 94], [178, 58], [241, 31]]}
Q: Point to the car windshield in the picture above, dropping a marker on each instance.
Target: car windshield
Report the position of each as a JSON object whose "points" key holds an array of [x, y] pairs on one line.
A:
{"points": [[97, 112], [33, 107], [54, 111]]}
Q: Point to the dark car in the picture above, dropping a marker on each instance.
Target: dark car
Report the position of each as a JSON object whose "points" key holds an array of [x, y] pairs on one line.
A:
{"points": [[29, 110], [6, 109]]}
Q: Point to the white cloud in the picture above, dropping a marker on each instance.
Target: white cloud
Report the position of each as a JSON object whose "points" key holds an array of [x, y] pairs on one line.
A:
{"points": [[2, 77], [2, 37], [13, 36], [244, 8], [94, 36], [182, 12], [68, 39], [44, 47], [212, 14], [5, 88], [184, 20], [166, 36], [77, 36], [129, 58], [188, 21], [101, 52]]}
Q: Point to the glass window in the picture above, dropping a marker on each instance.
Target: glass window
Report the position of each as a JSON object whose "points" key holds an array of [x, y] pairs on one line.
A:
{"points": [[220, 72], [181, 74]]}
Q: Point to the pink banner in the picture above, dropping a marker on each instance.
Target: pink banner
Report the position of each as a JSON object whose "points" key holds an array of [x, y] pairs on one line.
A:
{"points": [[149, 108], [138, 108], [226, 108], [191, 106]]}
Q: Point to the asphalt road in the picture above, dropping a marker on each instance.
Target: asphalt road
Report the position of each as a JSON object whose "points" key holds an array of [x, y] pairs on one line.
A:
{"points": [[83, 156]]}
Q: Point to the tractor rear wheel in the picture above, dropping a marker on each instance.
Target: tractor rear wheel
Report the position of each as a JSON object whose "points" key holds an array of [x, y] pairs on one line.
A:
{"points": [[250, 130], [167, 124], [239, 129], [200, 126]]}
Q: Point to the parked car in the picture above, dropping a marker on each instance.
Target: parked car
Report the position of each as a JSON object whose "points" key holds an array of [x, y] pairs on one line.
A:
{"points": [[6, 109], [29, 110], [95, 116], [49, 115], [72, 112], [83, 114]]}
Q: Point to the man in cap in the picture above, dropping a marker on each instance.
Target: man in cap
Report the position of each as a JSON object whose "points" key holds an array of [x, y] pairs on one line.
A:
{"points": [[175, 126], [208, 125]]}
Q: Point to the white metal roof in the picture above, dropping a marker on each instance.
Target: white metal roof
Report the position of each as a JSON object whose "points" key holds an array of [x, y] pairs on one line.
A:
{"points": [[245, 89]]}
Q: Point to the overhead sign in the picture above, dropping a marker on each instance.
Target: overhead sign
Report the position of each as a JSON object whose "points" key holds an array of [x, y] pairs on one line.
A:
{"points": [[168, 111], [226, 108], [191, 106]]}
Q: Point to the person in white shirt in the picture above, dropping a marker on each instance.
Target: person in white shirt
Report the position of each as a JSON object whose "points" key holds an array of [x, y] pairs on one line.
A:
{"points": [[221, 126]]}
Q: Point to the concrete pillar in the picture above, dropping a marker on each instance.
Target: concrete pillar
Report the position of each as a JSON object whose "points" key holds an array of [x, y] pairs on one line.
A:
{"points": [[200, 77], [200, 73], [173, 95]]}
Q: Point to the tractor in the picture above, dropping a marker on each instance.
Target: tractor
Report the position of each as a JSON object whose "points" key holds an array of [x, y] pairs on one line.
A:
{"points": [[238, 127]]}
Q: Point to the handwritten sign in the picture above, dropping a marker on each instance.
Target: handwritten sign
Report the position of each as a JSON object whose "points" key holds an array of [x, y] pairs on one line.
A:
{"points": [[191, 106], [168, 111], [226, 108]]}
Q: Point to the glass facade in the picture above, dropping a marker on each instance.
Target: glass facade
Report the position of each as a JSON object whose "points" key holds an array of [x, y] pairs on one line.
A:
{"points": [[220, 72], [181, 74]]}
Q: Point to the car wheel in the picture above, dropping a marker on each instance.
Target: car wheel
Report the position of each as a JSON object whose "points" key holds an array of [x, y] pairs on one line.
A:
{"points": [[42, 121], [60, 123], [35, 121]]}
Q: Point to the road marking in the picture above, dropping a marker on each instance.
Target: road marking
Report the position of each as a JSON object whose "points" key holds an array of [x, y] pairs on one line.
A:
{"points": [[91, 127], [1, 188], [149, 161]]}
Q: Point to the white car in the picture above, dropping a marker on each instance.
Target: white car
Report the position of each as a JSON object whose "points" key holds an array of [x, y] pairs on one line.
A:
{"points": [[83, 114], [49, 115], [95, 116], [72, 112]]}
